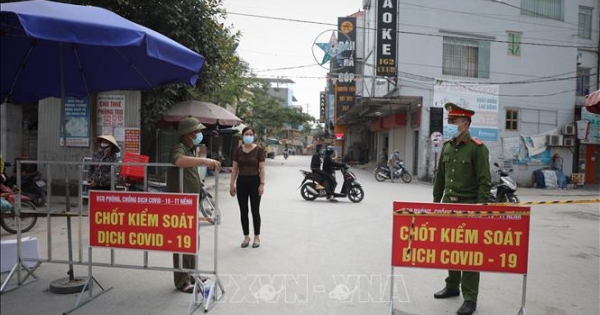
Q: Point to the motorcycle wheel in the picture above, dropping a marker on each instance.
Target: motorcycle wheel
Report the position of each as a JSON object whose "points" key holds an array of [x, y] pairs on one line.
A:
{"points": [[406, 177], [38, 198], [512, 199], [356, 194], [306, 194], [27, 223], [379, 176]]}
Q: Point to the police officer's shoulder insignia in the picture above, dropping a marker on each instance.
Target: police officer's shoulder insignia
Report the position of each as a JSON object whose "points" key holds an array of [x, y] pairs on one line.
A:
{"points": [[477, 141]]}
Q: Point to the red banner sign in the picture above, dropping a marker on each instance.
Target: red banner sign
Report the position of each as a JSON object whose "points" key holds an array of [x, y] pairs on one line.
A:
{"points": [[461, 237], [147, 221]]}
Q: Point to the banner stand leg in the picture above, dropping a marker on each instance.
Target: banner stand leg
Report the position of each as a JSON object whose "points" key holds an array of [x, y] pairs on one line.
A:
{"points": [[392, 291], [89, 285], [16, 269], [523, 298]]}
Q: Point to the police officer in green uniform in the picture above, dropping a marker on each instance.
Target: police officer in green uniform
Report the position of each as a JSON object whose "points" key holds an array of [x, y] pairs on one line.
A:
{"points": [[463, 176], [183, 155]]}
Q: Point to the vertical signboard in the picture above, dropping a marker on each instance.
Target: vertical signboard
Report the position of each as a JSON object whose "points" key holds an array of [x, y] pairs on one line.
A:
{"points": [[77, 122], [345, 86], [322, 103], [132, 140], [387, 21], [111, 113]]}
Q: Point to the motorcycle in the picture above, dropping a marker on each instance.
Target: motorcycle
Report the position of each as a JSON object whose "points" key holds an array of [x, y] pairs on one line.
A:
{"points": [[382, 172], [312, 186], [7, 219], [505, 190], [32, 185], [285, 154]]}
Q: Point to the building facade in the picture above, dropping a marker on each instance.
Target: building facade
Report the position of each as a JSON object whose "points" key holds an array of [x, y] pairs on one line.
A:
{"points": [[524, 66]]}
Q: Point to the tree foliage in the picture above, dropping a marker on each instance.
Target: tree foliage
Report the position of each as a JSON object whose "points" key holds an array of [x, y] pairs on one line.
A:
{"points": [[194, 24]]}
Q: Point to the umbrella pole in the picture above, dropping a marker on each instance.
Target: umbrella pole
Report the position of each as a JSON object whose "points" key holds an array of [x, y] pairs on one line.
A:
{"points": [[70, 284], [64, 135]]}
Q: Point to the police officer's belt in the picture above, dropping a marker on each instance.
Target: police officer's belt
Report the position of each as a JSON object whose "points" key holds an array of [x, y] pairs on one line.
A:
{"points": [[455, 199]]}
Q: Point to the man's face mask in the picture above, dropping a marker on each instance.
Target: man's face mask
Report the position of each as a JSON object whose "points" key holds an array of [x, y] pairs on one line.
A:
{"points": [[198, 139], [454, 130]]}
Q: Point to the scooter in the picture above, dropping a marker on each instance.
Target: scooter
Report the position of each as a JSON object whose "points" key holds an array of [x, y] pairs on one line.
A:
{"points": [[382, 172], [285, 154], [8, 220], [312, 186], [505, 190]]}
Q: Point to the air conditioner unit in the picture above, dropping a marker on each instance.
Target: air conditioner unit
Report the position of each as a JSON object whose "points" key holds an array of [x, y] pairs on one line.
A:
{"points": [[569, 130], [553, 140], [569, 142]]}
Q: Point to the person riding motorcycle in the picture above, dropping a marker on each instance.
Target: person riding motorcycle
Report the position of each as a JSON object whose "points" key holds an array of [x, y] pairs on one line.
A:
{"points": [[393, 161], [315, 167], [328, 168]]}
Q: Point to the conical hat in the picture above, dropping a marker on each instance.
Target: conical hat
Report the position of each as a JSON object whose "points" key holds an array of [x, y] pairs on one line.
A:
{"points": [[110, 139]]}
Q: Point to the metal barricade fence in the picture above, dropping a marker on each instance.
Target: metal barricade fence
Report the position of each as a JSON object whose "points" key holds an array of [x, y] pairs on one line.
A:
{"points": [[197, 300]]}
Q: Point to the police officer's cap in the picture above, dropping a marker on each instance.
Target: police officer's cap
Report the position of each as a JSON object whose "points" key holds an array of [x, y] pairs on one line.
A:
{"points": [[457, 111], [188, 125]]}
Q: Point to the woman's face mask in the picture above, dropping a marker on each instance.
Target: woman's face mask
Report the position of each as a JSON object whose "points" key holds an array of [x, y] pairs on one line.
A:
{"points": [[104, 146], [248, 139], [198, 139]]}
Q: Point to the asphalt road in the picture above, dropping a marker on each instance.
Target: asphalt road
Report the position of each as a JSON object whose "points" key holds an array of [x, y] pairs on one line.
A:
{"points": [[323, 258]]}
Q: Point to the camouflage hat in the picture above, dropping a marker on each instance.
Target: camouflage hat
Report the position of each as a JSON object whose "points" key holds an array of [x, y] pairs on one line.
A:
{"points": [[188, 125]]}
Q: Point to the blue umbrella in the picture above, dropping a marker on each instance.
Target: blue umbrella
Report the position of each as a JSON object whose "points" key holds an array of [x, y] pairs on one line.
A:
{"points": [[52, 49], [56, 49]]}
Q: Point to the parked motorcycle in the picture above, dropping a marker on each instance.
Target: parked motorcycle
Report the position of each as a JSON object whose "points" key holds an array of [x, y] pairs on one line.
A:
{"points": [[32, 185], [8, 220], [382, 172], [505, 190], [312, 187]]}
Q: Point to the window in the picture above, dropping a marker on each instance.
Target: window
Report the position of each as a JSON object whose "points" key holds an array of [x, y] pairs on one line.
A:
{"points": [[547, 9], [585, 22], [514, 44], [583, 81], [512, 120], [466, 57]]}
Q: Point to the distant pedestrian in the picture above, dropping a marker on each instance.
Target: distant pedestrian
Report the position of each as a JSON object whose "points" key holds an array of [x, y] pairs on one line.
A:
{"points": [[183, 155], [248, 182], [463, 176], [99, 176]]}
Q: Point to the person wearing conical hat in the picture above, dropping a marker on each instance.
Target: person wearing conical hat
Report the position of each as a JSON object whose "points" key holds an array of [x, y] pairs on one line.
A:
{"points": [[463, 176], [183, 155], [106, 151]]}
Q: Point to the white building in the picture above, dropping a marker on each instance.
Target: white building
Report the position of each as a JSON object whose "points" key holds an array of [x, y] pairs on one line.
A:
{"points": [[524, 66]]}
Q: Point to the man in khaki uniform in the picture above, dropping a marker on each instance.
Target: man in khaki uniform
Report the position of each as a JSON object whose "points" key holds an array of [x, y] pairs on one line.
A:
{"points": [[463, 176], [183, 155]]}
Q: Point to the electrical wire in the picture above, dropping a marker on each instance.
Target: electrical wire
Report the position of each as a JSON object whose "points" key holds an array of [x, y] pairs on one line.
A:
{"points": [[402, 32]]}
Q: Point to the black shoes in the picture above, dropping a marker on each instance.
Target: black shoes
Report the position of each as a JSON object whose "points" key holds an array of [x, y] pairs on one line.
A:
{"points": [[467, 308], [446, 293]]}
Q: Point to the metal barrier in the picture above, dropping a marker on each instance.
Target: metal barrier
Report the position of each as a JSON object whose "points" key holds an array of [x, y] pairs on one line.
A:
{"points": [[197, 298]]}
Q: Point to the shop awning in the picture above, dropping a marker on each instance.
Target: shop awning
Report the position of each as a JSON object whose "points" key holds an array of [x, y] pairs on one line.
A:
{"points": [[592, 102]]}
